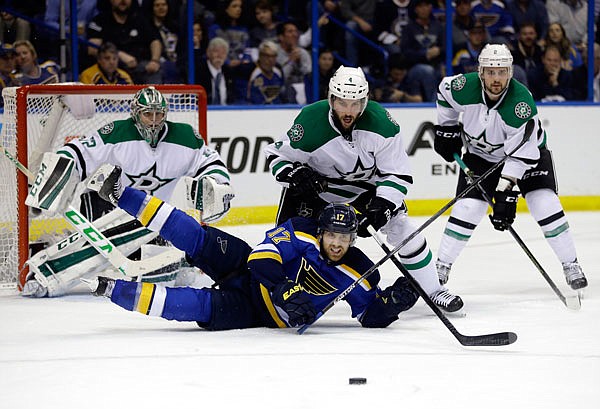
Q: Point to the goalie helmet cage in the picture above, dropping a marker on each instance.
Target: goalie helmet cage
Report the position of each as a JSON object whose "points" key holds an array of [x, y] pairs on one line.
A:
{"points": [[37, 119]]}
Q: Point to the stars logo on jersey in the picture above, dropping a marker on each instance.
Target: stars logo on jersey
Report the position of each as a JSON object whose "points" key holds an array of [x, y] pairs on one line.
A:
{"points": [[107, 129], [522, 110], [481, 143], [312, 282], [459, 82], [296, 133], [148, 181], [360, 171]]}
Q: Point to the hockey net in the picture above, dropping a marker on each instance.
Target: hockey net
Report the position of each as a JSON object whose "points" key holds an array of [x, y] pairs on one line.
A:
{"points": [[37, 120]]}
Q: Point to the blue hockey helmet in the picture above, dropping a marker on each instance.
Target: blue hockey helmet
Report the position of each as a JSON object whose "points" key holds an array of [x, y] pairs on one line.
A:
{"points": [[339, 218]]}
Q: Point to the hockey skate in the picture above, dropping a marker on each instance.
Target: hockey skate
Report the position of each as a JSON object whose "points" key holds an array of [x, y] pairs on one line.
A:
{"points": [[446, 301], [100, 286], [574, 275], [443, 271]]}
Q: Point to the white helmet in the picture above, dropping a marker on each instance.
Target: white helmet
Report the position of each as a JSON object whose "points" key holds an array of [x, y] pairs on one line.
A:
{"points": [[496, 55], [349, 83]]}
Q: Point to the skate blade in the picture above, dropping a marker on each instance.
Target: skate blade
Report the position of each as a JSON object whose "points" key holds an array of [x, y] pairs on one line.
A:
{"points": [[573, 302]]}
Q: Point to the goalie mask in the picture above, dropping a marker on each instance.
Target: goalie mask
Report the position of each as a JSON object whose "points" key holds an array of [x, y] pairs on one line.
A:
{"points": [[495, 56], [349, 83], [149, 113], [339, 218]]}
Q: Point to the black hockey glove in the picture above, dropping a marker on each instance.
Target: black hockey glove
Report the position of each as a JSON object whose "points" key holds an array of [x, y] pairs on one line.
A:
{"points": [[378, 212], [295, 302], [304, 181], [505, 209], [448, 141], [399, 297]]}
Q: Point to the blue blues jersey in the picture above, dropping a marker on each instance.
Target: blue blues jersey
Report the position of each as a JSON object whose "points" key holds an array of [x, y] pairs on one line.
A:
{"points": [[292, 251], [246, 277]]}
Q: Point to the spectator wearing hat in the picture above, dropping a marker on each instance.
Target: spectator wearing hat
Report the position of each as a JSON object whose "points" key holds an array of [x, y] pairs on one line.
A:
{"points": [[7, 66], [466, 59]]}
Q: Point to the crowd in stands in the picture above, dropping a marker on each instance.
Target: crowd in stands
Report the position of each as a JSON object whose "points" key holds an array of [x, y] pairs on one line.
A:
{"points": [[258, 51]]}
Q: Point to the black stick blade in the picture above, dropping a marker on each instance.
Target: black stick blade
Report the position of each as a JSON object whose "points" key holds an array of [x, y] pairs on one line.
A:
{"points": [[498, 339]]}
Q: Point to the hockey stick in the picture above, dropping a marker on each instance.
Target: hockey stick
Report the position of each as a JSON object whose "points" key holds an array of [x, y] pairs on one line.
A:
{"points": [[527, 134], [572, 302], [100, 242], [500, 338]]}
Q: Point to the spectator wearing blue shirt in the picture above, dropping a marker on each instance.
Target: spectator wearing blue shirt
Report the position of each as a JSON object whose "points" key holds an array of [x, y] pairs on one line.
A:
{"points": [[533, 11], [498, 22], [266, 85], [423, 46], [550, 82], [397, 87], [569, 54]]}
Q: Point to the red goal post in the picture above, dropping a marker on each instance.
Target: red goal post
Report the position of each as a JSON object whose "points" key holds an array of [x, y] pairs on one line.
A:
{"points": [[36, 120]]}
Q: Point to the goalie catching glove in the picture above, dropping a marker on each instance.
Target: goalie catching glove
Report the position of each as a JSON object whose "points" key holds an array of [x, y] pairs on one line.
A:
{"points": [[205, 194], [54, 185]]}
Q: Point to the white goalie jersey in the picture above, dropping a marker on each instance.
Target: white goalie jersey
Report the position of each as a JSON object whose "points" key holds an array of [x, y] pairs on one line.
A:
{"points": [[180, 152]]}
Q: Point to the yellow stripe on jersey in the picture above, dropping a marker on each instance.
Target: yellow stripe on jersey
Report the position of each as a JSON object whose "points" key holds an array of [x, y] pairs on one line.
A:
{"points": [[267, 299], [307, 237], [145, 298], [150, 210], [258, 255], [349, 271]]}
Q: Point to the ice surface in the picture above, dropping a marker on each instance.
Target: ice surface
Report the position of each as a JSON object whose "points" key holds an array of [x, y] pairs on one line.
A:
{"points": [[83, 352]]}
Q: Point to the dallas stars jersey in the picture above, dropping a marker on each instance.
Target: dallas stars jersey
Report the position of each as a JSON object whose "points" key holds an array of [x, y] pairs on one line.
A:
{"points": [[492, 132], [372, 156], [291, 251], [180, 152]]}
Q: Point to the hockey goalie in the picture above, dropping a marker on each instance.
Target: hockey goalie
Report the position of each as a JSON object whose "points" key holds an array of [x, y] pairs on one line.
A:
{"points": [[166, 159]]}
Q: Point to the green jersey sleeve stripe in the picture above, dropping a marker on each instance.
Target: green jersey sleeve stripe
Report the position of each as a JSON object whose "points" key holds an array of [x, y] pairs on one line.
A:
{"points": [[66, 153], [393, 185], [218, 171], [280, 165], [342, 193], [443, 103]]}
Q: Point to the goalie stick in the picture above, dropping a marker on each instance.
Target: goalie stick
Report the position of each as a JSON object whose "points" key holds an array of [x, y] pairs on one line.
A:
{"points": [[572, 302], [527, 134], [100, 242], [497, 339]]}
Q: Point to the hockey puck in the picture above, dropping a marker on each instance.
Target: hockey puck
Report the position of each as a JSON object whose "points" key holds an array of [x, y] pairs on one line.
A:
{"points": [[357, 381]]}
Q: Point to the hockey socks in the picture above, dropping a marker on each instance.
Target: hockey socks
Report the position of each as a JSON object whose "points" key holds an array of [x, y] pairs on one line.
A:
{"points": [[180, 304]]}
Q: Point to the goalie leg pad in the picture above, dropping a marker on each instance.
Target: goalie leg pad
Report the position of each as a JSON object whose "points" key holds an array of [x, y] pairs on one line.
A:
{"points": [[59, 271], [54, 183]]}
